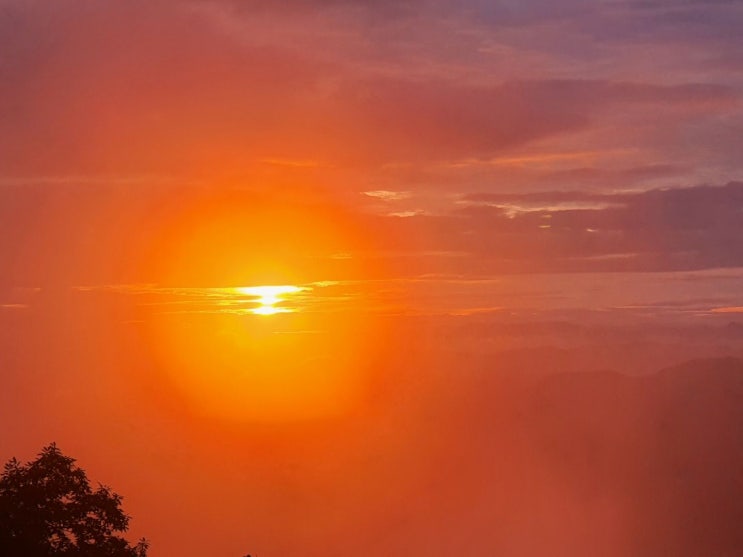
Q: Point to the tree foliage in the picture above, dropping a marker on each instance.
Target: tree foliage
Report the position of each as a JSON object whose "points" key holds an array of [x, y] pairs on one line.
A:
{"points": [[48, 509]]}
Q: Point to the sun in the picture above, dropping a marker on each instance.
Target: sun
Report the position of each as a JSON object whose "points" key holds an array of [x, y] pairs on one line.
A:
{"points": [[268, 297], [269, 353]]}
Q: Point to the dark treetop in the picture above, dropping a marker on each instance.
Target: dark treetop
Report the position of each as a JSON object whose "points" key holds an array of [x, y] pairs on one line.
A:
{"points": [[48, 509]]}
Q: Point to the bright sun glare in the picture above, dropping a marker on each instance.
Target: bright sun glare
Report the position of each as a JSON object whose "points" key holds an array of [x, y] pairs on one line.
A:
{"points": [[268, 297], [267, 353]]}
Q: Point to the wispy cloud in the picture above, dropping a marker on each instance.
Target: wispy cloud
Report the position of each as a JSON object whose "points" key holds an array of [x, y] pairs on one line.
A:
{"points": [[737, 309], [386, 195]]}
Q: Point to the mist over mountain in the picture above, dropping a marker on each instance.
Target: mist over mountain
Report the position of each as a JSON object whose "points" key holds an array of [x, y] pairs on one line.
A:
{"points": [[596, 463], [668, 444]]}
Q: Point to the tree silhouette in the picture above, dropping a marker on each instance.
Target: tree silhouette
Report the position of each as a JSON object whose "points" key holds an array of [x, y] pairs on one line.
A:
{"points": [[48, 509]]}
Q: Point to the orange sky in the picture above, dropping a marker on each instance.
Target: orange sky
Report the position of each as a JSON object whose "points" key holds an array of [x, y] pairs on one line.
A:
{"points": [[451, 189]]}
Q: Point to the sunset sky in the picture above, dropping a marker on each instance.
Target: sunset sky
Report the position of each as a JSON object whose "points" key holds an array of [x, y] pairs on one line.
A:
{"points": [[403, 174]]}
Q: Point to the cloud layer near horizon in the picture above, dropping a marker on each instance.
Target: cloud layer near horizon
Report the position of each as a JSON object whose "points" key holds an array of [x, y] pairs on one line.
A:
{"points": [[72, 234]]}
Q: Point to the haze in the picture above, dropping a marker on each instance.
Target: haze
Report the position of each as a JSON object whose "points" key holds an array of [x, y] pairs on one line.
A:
{"points": [[353, 278]]}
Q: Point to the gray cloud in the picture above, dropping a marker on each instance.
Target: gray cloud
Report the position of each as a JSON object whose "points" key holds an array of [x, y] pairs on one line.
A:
{"points": [[156, 87], [657, 230]]}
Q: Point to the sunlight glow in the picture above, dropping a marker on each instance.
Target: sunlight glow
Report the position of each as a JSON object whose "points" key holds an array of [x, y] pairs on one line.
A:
{"points": [[266, 353], [268, 297]]}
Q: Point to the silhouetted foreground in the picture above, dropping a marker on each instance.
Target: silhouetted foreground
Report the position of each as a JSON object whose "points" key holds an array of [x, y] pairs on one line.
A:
{"points": [[48, 509]]}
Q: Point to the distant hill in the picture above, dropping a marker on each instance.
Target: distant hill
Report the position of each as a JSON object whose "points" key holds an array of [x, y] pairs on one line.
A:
{"points": [[669, 446]]}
